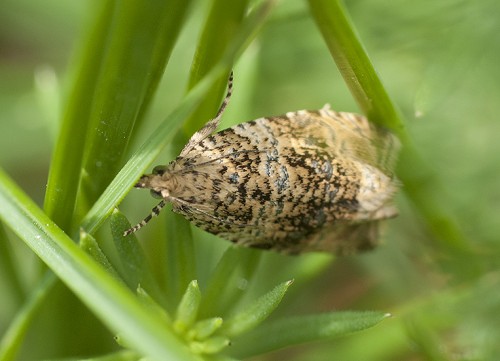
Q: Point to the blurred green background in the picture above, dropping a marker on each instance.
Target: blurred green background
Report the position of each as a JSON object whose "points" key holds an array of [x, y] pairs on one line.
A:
{"points": [[439, 61]]}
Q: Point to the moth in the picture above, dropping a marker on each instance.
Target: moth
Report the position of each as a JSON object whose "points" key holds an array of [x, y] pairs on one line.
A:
{"points": [[304, 181]]}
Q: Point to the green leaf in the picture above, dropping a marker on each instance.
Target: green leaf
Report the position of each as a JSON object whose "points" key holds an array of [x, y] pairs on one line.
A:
{"points": [[180, 262], [296, 330], [135, 266], [150, 303], [187, 311], [210, 346], [205, 328], [123, 355], [90, 245], [109, 300], [256, 312], [66, 165]]}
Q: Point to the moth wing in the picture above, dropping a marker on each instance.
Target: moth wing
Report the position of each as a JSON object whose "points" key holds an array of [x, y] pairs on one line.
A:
{"points": [[339, 134], [339, 238], [372, 144], [342, 238], [346, 134]]}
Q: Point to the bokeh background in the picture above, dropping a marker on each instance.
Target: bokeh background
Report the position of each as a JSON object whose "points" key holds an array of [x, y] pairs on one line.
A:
{"points": [[439, 62]]}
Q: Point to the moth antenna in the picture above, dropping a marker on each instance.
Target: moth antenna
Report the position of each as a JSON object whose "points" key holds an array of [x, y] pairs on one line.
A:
{"points": [[212, 124], [154, 212]]}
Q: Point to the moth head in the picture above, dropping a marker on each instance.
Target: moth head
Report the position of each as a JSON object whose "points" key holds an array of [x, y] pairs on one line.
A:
{"points": [[159, 184], [151, 180], [143, 182]]}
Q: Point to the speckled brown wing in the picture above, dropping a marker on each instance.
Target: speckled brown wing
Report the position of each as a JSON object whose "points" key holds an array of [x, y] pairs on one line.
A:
{"points": [[305, 181]]}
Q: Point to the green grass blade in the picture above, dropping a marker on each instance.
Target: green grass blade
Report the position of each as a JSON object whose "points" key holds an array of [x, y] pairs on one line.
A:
{"points": [[256, 312], [180, 263], [134, 263], [110, 301], [90, 245], [355, 65], [222, 292], [296, 330], [187, 310], [66, 165]]}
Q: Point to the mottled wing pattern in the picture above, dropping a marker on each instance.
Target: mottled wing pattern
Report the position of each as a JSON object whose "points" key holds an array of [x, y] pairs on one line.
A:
{"points": [[305, 181]]}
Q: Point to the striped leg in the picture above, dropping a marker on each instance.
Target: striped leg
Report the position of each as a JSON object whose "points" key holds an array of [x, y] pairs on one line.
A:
{"points": [[154, 212]]}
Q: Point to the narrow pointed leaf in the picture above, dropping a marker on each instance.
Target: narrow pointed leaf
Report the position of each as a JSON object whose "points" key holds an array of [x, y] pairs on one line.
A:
{"points": [[205, 328], [180, 261], [297, 330], [222, 21], [188, 308], [134, 264], [222, 293], [255, 313], [90, 245], [210, 346]]}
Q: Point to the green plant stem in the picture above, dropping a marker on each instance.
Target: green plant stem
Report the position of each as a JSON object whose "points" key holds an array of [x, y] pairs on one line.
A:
{"points": [[355, 65], [421, 182]]}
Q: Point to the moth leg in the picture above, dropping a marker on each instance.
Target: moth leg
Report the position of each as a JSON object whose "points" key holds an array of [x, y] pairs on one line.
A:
{"points": [[154, 212], [212, 124]]}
